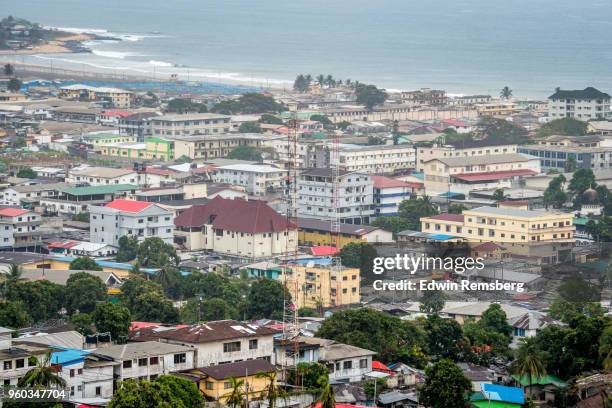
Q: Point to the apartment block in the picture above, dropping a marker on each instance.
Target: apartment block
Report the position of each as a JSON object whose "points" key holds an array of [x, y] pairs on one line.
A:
{"points": [[100, 176], [257, 179], [208, 147], [379, 159], [587, 104], [19, 228], [389, 194], [115, 97], [189, 124], [467, 148]]}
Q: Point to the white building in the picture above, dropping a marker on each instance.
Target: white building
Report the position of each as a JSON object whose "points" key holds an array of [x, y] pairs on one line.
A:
{"points": [[464, 149], [19, 228], [377, 159], [189, 124], [389, 194], [587, 104], [355, 195], [15, 360], [99, 176], [32, 193], [345, 363], [257, 179], [108, 223]]}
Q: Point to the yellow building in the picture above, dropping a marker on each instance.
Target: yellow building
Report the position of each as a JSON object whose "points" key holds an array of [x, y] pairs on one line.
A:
{"points": [[315, 232], [101, 139], [121, 270], [119, 98], [215, 381], [127, 150], [504, 225], [321, 287]]}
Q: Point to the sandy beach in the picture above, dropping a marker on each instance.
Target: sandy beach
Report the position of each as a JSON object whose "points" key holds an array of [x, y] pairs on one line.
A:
{"points": [[56, 46]]}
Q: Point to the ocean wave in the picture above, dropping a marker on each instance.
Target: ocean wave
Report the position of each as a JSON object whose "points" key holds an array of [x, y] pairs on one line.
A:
{"points": [[131, 37], [112, 54], [160, 63]]}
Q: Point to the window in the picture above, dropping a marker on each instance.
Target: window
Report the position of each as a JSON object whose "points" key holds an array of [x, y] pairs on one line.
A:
{"points": [[20, 363], [154, 361], [347, 365], [227, 385], [127, 364], [98, 391], [363, 363], [230, 347], [253, 344], [142, 362], [8, 365], [180, 358], [71, 373], [209, 385]]}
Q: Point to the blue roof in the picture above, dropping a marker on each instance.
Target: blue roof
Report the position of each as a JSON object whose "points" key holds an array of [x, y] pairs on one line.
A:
{"points": [[107, 264], [441, 237], [450, 194], [68, 356], [502, 393]]}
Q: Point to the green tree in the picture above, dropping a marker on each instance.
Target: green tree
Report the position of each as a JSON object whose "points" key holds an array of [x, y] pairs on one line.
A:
{"points": [[128, 248], [272, 392], [249, 153], [494, 318], [83, 292], [554, 195], [12, 277], [300, 84], [42, 299], [266, 299], [14, 85], [360, 255], [307, 312], [322, 119], [564, 126], [370, 96], [112, 318], [327, 398], [369, 388], [445, 338], [270, 119], [14, 314], [308, 375], [27, 172], [248, 103], [456, 208], [498, 195], [84, 263], [82, 217], [605, 348], [250, 127], [155, 253], [42, 375], [432, 301], [570, 164], [179, 105], [412, 210], [147, 394], [207, 310], [375, 140], [505, 93], [182, 389], [529, 361], [445, 386], [83, 323], [391, 223], [235, 396]]}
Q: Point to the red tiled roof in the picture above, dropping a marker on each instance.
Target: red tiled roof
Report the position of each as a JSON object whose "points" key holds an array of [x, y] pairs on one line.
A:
{"points": [[493, 175], [62, 245], [378, 366], [117, 113], [12, 212], [131, 206], [448, 217], [388, 182], [252, 216], [323, 250]]}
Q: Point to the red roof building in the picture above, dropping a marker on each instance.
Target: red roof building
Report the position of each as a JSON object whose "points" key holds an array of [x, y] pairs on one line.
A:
{"points": [[130, 206], [12, 212], [447, 217]]}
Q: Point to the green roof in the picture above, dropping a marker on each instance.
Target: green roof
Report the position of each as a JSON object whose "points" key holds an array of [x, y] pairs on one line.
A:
{"points": [[494, 404], [582, 220], [586, 93], [93, 190], [157, 140], [544, 380]]}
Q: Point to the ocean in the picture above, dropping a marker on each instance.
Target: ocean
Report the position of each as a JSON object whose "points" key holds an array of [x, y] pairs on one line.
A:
{"points": [[462, 46]]}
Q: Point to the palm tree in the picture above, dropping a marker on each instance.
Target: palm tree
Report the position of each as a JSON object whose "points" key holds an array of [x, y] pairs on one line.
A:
{"points": [[12, 277], [42, 375], [348, 82], [235, 397], [607, 363], [272, 391], [321, 79], [164, 276], [505, 93], [329, 81], [308, 79], [528, 361], [328, 400]]}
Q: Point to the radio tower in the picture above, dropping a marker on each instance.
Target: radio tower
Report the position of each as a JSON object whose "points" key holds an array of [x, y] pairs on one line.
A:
{"points": [[290, 307], [335, 220]]}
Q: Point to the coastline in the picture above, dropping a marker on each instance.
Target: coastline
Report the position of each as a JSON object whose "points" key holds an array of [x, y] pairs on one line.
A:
{"points": [[64, 43]]}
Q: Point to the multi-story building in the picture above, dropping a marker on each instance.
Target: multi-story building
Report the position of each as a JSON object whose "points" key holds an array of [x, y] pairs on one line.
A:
{"points": [[465, 174], [15, 359], [121, 217], [389, 194], [101, 139], [497, 108], [424, 96], [30, 194], [221, 342], [126, 150], [19, 228], [208, 147], [236, 227], [468, 100], [315, 195], [75, 200], [257, 179], [147, 360], [118, 98], [160, 149], [137, 125], [189, 124], [315, 232], [377, 159], [467, 148], [587, 104], [100, 176], [504, 225], [322, 287], [556, 152]]}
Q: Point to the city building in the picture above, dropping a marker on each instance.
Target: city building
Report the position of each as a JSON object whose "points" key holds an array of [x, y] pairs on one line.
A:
{"points": [[16, 359], [600, 127], [345, 363], [219, 342], [460, 175], [19, 228], [322, 287], [377, 159], [120, 217], [236, 227], [30, 194], [189, 124], [355, 195], [100, 176], [424, 96], [257, 179], [563, 153], [467, 148], [115, 97], [100, 139], [75, 200], [316, 232], [497, 108], [389, 194], [157, 148], [587, 104], [137, 125], [210, 146]]}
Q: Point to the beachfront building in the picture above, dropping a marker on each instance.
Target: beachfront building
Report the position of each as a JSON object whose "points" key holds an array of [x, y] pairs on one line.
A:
{"points": [[109, 222], [257, 179], [394, 112], [209, 147], [115, 97], [236, 227], [466, 148], [19, 228], [355, 195], [503, 225], [100, 176], [189, 124], [461, 175], [322, 287], [497, 108], [586, 104], [424, 96], [377, 159]]}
